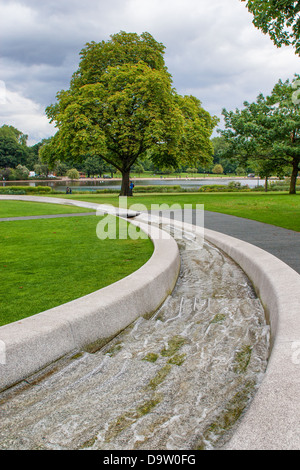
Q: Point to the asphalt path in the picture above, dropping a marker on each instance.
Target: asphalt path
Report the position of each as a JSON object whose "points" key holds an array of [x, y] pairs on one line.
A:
{"points": [[282, 243]]}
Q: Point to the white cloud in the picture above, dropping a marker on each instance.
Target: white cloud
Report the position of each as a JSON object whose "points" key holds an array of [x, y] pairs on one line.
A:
{"points": [[212, 49], [21, 16], [25, 115]]}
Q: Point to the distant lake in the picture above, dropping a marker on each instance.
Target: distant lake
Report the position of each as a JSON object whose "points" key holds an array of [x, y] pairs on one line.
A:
{"points": [[93, 185]]}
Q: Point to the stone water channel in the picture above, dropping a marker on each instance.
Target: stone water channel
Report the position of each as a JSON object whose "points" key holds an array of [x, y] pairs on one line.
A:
{"points": [[176, 381]]}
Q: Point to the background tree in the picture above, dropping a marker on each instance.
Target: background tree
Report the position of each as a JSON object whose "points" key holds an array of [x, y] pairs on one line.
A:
{"points": [[41, 169], [266, 133], [5, 173], [138, 168], [121, 105], [278, 18], [73, 174], [221, 147], [11, 152], [14, 133], [21, 172], [60, 168], [14, 150], [218, 169], [286, 122]]}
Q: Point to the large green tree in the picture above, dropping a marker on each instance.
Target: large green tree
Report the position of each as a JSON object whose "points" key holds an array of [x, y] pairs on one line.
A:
{"points": [[278, 18], [267, 132], [13, 133], [11, 152], [122, 107], [14, 150], [220, 149]]}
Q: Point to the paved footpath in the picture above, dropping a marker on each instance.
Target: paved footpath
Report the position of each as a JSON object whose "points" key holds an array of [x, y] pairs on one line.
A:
{"points": [[282, 243]]}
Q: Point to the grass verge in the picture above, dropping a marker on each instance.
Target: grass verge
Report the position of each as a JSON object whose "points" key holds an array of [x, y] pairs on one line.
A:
{"points": [[25, 208]]}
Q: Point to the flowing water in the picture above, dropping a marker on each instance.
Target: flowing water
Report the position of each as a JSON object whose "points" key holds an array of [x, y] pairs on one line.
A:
{"points": [[176, 381]]}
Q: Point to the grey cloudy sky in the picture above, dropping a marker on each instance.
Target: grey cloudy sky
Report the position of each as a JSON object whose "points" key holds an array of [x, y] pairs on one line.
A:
{"points": [[212, 51]]}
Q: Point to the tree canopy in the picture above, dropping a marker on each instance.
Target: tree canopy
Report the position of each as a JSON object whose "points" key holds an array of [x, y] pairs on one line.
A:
{"points": [[278, 18], [11, 153], [13, 147], [267, 132], [121, 106], [13, 133]]}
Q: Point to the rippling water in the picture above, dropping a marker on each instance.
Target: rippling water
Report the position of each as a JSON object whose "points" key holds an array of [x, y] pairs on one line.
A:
{"points": [[176, 381], [93, 185]]}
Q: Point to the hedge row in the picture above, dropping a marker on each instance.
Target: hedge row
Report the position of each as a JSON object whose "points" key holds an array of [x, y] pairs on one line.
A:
{"points": [[146, 189], [216, 188], [25, 189]]}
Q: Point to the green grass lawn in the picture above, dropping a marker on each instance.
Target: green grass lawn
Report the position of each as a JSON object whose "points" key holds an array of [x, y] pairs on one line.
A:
{"points": [[280, 209], [23, 208], [48, 262]]}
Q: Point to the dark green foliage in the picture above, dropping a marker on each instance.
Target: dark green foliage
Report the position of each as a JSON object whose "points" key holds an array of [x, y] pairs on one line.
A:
{"points": [[280, 19]]}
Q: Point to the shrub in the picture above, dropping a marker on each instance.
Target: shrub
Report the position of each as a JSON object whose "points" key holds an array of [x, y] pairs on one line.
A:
{"points": [[236, 186], [157, 189], [12, 191], [25, 189], [21, 172], [37, 189], [218, 169], [73, 174], [147, 189]]}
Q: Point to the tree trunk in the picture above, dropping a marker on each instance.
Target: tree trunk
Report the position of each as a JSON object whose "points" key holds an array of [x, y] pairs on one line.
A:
{"points": [[266, 184], [125, 183], [294, 176]]}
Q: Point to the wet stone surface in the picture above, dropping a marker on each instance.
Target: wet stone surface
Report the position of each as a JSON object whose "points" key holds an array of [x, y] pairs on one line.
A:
{"points": [[176, 381]]}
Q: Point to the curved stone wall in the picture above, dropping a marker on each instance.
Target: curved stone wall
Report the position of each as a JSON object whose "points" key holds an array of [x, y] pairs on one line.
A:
{"points": [[272, 421], [92, 320]]}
